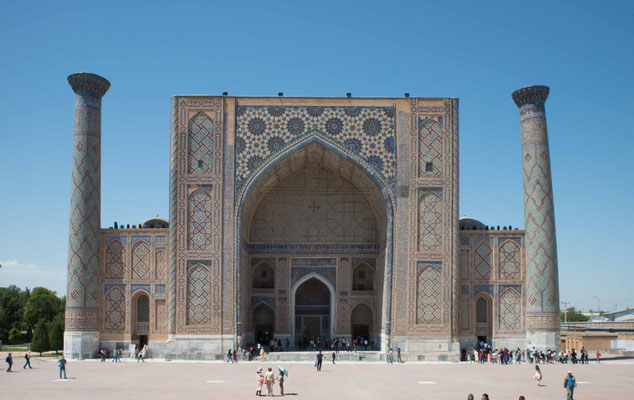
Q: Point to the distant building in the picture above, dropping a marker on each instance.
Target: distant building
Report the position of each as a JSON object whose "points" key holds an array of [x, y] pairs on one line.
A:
{"points": [[622, 315]]}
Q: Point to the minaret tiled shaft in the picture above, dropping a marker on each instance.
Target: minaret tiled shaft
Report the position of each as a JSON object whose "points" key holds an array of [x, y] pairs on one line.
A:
{"points": [[542, 283], [82, 300]]}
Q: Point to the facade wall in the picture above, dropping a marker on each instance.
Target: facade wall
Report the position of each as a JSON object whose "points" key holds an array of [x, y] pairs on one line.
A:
{"points": [[492, 265], [133, 262], [384, 176]]}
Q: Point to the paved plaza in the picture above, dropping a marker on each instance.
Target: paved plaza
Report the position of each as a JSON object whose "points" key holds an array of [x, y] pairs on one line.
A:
{"points": [[354, 381]]}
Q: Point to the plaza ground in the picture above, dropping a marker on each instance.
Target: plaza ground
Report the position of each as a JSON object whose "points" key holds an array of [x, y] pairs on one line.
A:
{"points": [[352, 381]]}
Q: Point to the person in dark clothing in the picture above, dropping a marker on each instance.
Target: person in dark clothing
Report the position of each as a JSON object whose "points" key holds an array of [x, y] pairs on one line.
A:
{"points": [[9, 361], [27, 357], [320, 358]]}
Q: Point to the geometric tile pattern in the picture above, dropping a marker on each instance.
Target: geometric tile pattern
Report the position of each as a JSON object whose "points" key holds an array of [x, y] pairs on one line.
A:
{"points": [[115, 260], [200, 149], [114, 309], [82, 300], [263, 131], [141, 261], [542, 305], [510, 311], [199, 220], [314, 205], [482, 270], [464, 264], [430, 223], [198, 295], [428, 296], [510, 260], [161, 321], [430, 148], [173, 210], [161, 265]]}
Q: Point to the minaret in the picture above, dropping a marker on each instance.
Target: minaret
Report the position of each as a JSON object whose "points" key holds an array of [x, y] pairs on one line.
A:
{"points": [[81, 338], [542, 283]]}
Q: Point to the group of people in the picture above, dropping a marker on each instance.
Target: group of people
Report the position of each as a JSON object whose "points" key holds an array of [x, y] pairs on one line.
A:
{"points": [[485, 354], [335, 345], [268, 379], [27, 361], [61, 361]]}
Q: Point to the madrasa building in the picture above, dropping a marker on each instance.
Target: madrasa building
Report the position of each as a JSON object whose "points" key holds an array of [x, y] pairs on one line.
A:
{"points": [[309, 217]]}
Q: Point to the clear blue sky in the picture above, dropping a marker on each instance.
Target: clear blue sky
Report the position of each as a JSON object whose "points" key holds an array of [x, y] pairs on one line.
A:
{"points": [[477, 51]]}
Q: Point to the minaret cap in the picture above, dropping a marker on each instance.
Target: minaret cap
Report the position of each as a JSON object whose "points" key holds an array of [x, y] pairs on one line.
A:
{"points": [[91, 83], [531, 95]]}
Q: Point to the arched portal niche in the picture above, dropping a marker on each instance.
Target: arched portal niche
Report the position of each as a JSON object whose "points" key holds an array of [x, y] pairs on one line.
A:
{"points": [[361, 322], [313, 309], [141, 317], [317, 202], [263, 323], [483, 317]]}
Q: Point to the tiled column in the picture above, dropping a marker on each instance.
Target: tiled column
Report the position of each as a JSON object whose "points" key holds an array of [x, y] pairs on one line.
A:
{"points": [[81, 338], [542, 294]]}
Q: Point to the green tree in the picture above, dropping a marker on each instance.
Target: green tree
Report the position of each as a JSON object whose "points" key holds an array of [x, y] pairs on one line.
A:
{"points": [[40, 341], [12, 302], [56, 338], [43, 304], [15, 336], [573, 316]]}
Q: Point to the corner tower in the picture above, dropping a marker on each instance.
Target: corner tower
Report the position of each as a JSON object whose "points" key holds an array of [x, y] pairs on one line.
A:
{"points": [[81, 338], [542, 295]]}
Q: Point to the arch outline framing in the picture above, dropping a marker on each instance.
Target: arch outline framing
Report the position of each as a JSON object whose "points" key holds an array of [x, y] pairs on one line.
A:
{"points": [[382, 186]]}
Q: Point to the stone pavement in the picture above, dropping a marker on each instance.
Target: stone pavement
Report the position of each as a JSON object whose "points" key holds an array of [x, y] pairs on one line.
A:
{"points": [[352, 381]]}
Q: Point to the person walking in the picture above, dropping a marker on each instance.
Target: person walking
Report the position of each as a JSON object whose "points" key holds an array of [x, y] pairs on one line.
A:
{"points": [[598, 357], [269, 381], [62, 366], [115, 355], [390, 356], [141, 355], [9, 361], [319, 360], [398, 355], [260, 381], [281, 379], [102, 353], [229, 355], [569, 384], [27, 357], [538, 375], [333, 357]]}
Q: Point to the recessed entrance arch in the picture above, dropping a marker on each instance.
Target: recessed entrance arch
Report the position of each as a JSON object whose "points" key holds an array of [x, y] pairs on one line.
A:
{"points": [[257, 236], [361, 321], [484, 317], [263, 323], [312, 308], [141, 317]]}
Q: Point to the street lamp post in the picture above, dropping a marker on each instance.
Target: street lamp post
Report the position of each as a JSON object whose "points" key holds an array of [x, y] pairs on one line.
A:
{"points": [[565, 303]]}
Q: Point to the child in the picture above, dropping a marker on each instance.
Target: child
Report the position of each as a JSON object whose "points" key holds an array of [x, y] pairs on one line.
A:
{"points": [[538, 375], [258, 390]]}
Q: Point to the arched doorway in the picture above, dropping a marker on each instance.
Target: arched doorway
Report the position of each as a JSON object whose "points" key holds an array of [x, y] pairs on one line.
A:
{"points": [[314, 201], [313, 309], [141, 318], [361, 322], [484, 317], [263, 323]]}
